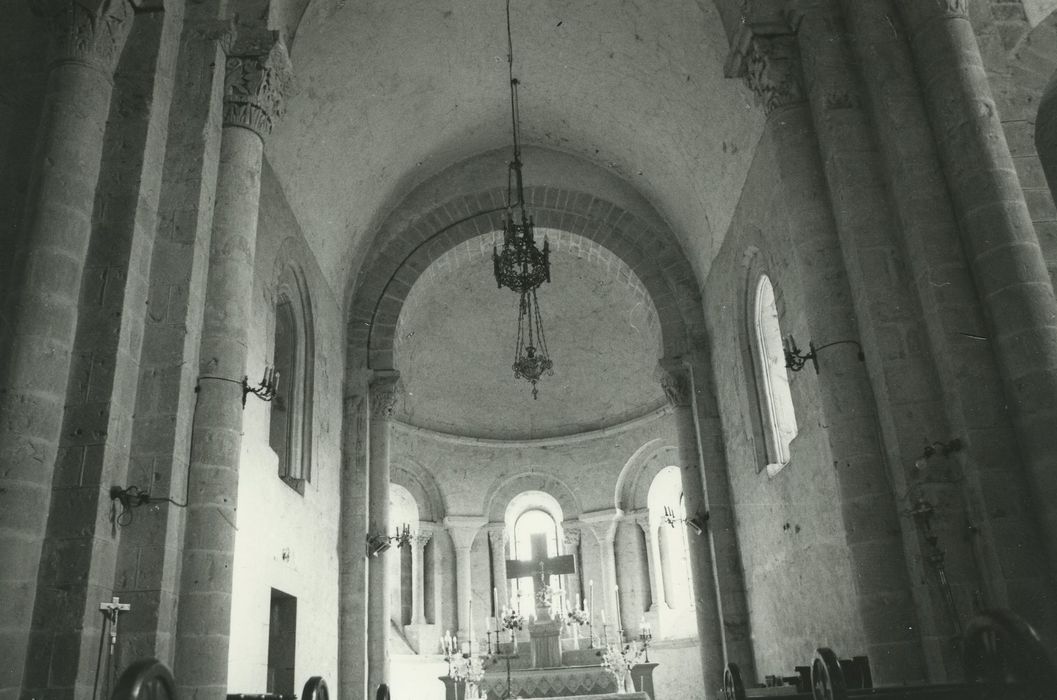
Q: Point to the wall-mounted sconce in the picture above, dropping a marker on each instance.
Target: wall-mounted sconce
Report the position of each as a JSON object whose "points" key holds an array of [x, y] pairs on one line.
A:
{"points": [[265, 390], [944, 449], [795, 359], [696, 523], [131, 498], [376, 544]]}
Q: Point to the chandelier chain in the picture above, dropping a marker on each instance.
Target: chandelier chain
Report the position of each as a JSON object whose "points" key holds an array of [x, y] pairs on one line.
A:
{"points": [[519, 264]]}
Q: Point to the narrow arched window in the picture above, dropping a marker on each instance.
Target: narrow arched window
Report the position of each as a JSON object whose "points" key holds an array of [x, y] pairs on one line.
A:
{"points": [[777, 415], [290, 422]]}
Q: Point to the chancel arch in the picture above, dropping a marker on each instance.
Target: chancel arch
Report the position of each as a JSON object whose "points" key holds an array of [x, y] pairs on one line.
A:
{"points": [[573, 197]]}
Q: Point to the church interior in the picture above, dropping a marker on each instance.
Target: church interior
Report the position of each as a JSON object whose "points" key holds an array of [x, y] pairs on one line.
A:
{"points": [[509, 348]]}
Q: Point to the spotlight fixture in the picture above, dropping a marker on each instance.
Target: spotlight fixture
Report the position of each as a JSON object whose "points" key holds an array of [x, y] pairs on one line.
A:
{"points": [[520, 265], [795, 360], [944, 449]]}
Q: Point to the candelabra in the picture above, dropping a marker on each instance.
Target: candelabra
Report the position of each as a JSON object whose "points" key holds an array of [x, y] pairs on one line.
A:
{"points": [[496, 653]]}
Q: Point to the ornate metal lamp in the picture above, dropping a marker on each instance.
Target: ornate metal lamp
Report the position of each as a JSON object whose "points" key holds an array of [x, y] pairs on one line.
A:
{"points": [[520, 265]]}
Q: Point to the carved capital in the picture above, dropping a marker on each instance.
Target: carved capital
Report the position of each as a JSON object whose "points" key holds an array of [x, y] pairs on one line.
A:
{"points": [[571, 535], [677, 383], [92, 32], [257, 79], [422, 538], [773, 72], [384, 392]]}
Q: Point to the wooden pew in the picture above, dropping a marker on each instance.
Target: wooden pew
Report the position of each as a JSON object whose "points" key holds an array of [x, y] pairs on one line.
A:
{"points": [[149, 679], [1002, 656]]}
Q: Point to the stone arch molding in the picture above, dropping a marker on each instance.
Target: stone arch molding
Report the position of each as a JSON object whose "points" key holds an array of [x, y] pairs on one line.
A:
{"points": [[600, 208], [633, 484], [422, 486], [502, 492]]}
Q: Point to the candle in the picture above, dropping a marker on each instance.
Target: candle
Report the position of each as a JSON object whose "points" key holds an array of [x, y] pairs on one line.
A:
{"points": [[495, 605], [616, 598], [592, 587], [469, 622]]}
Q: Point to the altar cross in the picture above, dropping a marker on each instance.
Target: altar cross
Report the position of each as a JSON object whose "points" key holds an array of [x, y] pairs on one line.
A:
{"points": [[540, 566]]}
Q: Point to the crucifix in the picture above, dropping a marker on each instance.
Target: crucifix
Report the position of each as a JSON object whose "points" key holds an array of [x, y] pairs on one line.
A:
{"points": [[540, 566], [111, 610]]}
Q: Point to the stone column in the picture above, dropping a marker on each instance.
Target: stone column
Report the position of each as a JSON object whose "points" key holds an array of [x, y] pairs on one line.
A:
{"points": [[258, 72], [463, 530], [418, 579], [497, 541], [40, 334], [436, 573], [384, 391], [678, 383], [575, 588], [997, 234], [603, 523], [352, 601], [653, 563]]}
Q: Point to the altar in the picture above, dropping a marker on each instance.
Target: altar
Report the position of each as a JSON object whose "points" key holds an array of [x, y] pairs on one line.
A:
{"points": [[580, 667]]}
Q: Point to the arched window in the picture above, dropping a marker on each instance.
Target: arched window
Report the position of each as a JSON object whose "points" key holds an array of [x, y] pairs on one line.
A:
{"points": [[535, 538], [672, 580], [290, 422], [777, 415]]}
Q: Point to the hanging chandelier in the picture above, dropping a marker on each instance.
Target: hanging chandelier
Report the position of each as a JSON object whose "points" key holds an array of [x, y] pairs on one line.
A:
{"points": [[520, 265]]}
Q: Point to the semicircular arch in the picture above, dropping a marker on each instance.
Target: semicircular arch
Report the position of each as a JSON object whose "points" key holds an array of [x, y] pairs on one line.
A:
{"points": [[432, 220], [503, 492]]}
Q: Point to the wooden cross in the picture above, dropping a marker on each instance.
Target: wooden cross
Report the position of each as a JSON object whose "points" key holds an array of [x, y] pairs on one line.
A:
{"points": [[540, 566]]}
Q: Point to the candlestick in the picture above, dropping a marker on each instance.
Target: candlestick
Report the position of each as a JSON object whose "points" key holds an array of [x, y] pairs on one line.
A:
{"points": [[591, 585]]}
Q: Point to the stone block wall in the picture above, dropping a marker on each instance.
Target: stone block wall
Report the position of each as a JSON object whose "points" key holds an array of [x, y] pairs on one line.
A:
{"points": [[792, 539]]}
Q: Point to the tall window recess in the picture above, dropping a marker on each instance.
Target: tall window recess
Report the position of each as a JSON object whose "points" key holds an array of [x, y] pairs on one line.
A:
{"points": [[777, 414], [290, 423]]}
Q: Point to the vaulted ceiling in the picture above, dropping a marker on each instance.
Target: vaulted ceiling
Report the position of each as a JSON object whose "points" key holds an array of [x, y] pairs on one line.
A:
{"points": [[391, 92]]}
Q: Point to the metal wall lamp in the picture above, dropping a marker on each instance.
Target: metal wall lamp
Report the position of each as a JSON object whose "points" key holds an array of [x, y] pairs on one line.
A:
{"points": [[944, 449], [377, 544], [795, 359], [696, 523], [265, 390]]}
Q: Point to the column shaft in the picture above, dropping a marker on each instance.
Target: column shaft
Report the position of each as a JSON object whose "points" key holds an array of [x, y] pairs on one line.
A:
{"points": [[497, 541], [383, 398], [463, 530], [678, 385], [997, 234], [352, 636], [653, 562], [204, 624], [44, 307], [418, 580]]}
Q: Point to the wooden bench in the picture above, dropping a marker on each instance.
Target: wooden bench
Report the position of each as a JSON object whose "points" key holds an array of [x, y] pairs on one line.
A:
{"points": [[1002, 656], [149, 679]]}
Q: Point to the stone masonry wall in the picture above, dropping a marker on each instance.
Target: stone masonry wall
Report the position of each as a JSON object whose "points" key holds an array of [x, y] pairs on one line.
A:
{"points": [[792, 539]]}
